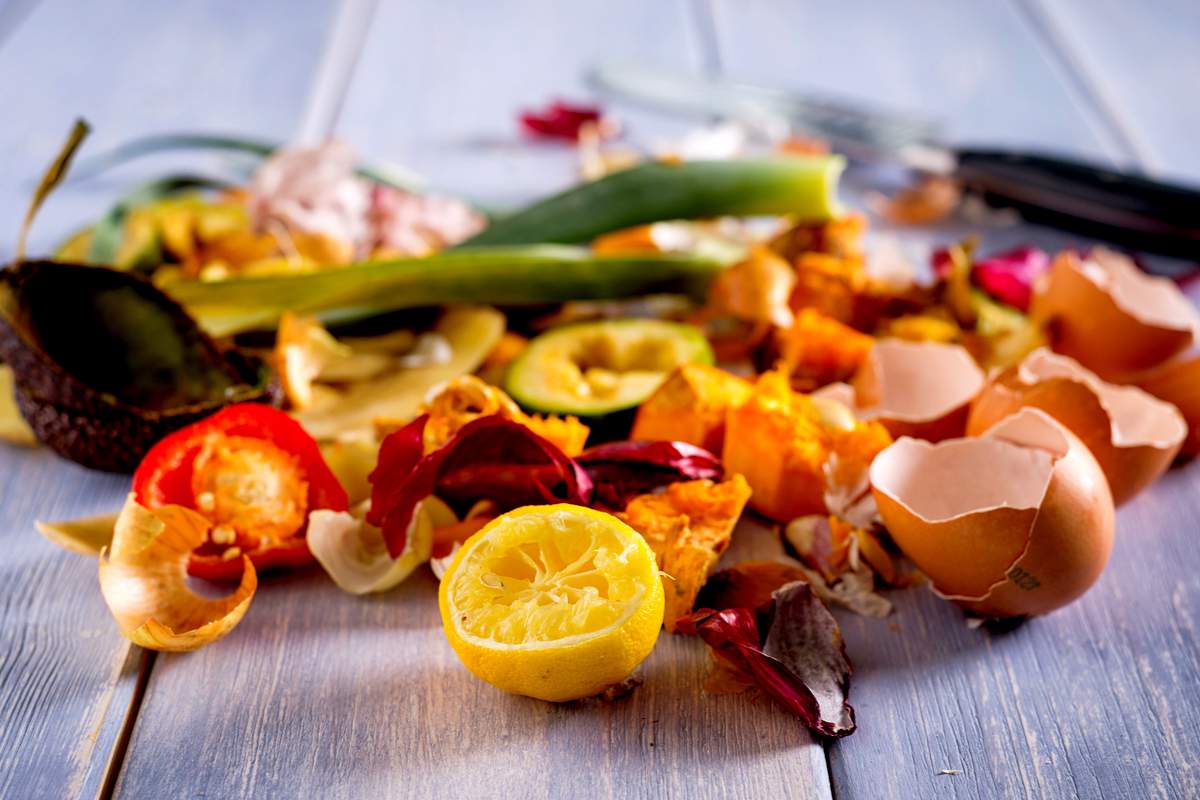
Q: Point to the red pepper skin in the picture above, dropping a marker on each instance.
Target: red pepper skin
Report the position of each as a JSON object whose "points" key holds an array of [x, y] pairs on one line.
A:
{"points": [[165, 478]]}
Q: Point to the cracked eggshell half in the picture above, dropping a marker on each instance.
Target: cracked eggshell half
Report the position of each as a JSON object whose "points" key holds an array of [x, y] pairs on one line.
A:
{"points": [[1133, 435], [1016, 522], [1109, 315], [919, 389]]}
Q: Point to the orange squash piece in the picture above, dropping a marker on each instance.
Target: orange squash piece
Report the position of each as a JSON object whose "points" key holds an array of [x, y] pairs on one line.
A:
{"points": [[690, 406], [688, 526], [791, 448], [818, 349]]}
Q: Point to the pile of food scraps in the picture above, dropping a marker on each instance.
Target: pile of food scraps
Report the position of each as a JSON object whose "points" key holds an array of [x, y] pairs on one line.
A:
{"points": [[565, 411]]}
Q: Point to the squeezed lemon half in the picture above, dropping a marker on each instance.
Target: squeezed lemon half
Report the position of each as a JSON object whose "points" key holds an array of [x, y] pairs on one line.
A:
{"points": [[554, 602]]}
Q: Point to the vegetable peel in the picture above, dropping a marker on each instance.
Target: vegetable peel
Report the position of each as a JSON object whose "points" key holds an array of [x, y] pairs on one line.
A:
{"points": [[143, 577]]}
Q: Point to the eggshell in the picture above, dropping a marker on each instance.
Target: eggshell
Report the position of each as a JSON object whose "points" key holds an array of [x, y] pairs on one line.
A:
{"points": [[1133, 435], [919, 389], [1110, 316], [1177, 382], [1016, 522]]}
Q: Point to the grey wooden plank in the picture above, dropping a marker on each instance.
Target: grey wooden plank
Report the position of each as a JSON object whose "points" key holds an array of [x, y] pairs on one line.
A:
{"points": [[439, 87], [1142, 63], [66, 676], [322, 694], [1095, 700], [980, 68], [63, 671]]}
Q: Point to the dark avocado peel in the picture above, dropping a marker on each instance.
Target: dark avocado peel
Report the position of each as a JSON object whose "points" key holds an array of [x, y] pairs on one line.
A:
{"points": [[105, 364]]}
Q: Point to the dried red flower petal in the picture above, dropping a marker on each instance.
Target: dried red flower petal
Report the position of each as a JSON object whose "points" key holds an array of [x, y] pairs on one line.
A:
{"points": [[622, 470], [489, 458], [800, 661], [1009, 276], [749, 584], [560, 120]]}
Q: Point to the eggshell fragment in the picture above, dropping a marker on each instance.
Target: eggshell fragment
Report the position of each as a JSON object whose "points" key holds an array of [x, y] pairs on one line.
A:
{"points": [[1177, 382], [1016, 522], [1110, 316], [919, 389], [1133, 435]]}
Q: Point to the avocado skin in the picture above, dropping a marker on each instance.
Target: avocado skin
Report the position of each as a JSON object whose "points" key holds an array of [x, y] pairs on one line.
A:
{"points": [[98, 429]]}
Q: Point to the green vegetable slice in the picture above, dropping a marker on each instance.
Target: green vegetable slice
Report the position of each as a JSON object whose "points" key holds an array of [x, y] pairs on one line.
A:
{"points": [[596, 368], [497, 275], [805, 188], [109, 230]]}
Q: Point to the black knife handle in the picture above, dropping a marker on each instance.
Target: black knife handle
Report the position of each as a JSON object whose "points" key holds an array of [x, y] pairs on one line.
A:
{"points": [[1120, 207]]}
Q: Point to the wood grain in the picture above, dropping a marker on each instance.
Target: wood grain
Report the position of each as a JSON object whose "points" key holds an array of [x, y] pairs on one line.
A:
{"points": [[322, 694], [439, 86], [67, 677]]}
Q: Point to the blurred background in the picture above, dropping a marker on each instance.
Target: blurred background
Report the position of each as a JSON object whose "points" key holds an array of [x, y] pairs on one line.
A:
{"points": [[437, 86]]}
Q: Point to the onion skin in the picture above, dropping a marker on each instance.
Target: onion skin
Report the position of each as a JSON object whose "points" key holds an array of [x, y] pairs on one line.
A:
{"points": [[1003, 561], [1129, 469]]}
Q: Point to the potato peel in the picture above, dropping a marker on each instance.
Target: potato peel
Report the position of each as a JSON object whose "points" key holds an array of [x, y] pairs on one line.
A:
{"points": [[143, 578]]}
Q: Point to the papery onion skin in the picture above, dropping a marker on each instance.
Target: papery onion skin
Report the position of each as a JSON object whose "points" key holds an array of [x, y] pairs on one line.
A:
{"points": [[1057, 548], [1129, 469]]}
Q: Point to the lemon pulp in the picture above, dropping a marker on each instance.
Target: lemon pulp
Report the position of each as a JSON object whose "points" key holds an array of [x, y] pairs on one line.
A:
{"points": [[556, 602]]}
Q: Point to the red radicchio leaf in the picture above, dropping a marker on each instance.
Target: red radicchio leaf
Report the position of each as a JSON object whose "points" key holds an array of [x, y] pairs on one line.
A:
{"points": [[622, 470], [1009, 276], [800, 661], [559, 120], [489, 458]]}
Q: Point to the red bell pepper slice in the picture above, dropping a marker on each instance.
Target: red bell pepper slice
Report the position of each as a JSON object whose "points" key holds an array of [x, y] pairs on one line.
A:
{"points": [[255, 473]]}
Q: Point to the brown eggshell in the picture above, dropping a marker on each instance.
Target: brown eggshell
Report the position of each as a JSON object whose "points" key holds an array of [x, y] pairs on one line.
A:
{"points": [[1177, 382], [918, 389], [1016, 522], [1133, 435], [1110, 316]]}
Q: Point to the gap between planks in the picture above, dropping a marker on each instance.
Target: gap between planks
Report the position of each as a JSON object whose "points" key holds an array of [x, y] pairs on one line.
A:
{"points": [[339, 61], [347, 37]]}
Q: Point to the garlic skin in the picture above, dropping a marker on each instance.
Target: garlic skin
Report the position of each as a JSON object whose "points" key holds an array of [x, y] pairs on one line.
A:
{"points": [[1016, 522]]}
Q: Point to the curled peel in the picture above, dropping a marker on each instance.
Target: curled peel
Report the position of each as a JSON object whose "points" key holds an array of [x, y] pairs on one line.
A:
{"points": [[919, 389], [1018, 521], [1109, 315], [355, 555], [1133, 435], [143, 578]]}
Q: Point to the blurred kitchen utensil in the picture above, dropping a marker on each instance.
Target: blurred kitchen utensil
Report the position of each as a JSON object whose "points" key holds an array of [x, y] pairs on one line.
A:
{"points": [[1121, 207]]}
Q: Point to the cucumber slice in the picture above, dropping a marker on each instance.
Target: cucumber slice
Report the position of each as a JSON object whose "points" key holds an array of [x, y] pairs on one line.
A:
{"points": [[597, 368]]}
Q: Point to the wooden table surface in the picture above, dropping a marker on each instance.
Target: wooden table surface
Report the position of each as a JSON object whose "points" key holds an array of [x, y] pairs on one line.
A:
{"points": [[320, 694]]}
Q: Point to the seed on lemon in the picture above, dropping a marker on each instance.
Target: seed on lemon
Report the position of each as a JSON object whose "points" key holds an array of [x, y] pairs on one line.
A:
{"points": [[554, 602]]}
